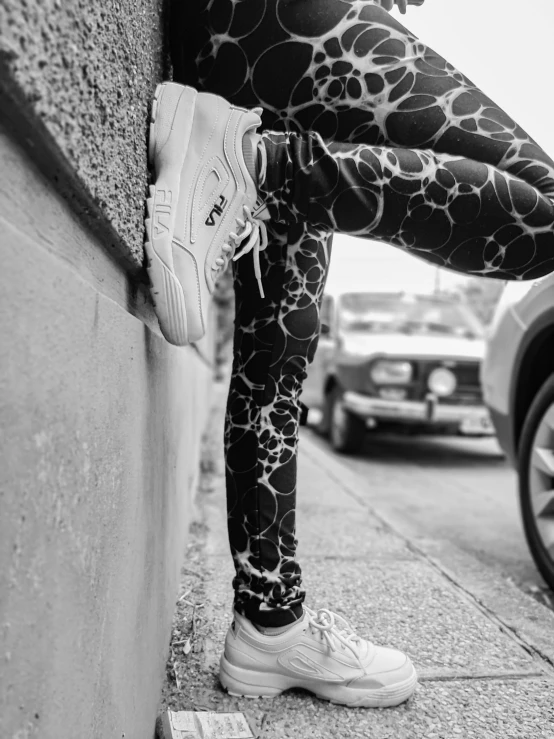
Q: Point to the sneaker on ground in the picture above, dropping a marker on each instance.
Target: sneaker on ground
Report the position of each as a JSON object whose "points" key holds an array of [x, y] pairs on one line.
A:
{"points": [[200, 205], [319, 653]]}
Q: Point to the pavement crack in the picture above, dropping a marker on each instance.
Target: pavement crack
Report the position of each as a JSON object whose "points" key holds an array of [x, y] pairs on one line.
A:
{"points": [[500, 677], [546, 662]]}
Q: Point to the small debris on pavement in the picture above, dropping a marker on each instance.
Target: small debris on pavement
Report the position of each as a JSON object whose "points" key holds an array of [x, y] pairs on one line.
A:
{"points": [[206, 725], [175, 674]]}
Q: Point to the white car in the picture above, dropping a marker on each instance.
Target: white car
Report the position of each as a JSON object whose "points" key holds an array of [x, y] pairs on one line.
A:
{"points": [[518, 384], [396, 359]]}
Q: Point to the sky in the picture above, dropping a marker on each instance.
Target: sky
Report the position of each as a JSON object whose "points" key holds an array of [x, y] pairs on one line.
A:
{"points": [[505, 47]]}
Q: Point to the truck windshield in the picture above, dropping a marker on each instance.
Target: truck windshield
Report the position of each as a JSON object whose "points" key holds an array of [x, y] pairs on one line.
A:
{"points": [[407, 314]]}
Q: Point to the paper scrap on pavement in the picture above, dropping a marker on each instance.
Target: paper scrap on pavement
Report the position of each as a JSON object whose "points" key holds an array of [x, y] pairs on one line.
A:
{"points": [[204, 725]]}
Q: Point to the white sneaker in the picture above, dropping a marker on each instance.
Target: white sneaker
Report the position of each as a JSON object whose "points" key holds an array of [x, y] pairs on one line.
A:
{"points": [[318, 653], [200, 205]]}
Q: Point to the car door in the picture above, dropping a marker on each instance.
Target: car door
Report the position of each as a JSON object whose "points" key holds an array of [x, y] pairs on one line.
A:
{"points": [[313, 391]]}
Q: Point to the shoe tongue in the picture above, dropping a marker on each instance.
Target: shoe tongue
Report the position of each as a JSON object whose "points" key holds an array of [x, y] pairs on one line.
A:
{"points": [[250, 154]]}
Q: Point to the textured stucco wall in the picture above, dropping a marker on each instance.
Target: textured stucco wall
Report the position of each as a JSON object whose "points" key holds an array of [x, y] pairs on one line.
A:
{"points": [[100, 425], [100, 418], [86, 71]]}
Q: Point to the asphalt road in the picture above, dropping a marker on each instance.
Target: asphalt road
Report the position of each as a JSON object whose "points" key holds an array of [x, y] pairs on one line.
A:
{"points": [[458, 489]]}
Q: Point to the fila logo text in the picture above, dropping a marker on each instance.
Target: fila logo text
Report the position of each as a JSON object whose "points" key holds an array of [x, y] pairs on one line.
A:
{"points": [[216, 210], [162, 212]]}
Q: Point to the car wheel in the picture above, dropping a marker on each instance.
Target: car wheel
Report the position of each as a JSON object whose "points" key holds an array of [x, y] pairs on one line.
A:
{"points": [[346, 430], [536, 480], [323, 425]]}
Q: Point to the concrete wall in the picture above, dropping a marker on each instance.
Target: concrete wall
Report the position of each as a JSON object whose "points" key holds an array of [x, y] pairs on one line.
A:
{"points": [[83, 73], [100, 419]]}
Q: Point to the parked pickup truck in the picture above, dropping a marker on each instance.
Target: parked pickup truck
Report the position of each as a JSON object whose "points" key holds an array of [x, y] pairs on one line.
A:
{"points": [[387, 360]]}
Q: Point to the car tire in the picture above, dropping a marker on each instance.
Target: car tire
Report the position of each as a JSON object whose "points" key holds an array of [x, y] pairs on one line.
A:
{"points": [[323, 425], [346, 430], [536, 476]]}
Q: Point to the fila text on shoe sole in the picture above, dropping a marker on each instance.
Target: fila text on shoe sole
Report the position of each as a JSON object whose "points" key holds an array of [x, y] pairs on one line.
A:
{"points": [[172, 109]]}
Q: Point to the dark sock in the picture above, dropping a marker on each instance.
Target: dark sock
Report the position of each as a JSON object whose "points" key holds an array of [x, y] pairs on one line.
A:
{"points": [[275, 630]]}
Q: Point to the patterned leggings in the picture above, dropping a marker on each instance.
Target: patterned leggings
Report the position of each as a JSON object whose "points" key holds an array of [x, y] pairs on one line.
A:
{"points": [[400, 147]]}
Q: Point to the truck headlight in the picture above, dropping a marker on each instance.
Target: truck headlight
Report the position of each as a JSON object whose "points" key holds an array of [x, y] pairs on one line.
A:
{"points": [[442, 382], [391, 372]]}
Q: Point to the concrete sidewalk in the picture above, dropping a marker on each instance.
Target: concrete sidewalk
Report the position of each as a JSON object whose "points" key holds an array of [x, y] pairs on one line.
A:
{"points": [[483, 650]]}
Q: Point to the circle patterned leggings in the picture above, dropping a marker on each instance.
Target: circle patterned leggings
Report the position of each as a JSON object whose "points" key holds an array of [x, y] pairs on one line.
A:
{"points": [[370, 133]]}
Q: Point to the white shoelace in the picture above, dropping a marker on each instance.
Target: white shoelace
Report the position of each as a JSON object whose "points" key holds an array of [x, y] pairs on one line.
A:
{"points": [[327, 624], [255, 228]]}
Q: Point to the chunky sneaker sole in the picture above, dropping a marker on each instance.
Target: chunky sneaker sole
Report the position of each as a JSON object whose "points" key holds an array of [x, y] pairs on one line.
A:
{"points": [[339, 668], [251, 684], [199, 205], [177, 113]]}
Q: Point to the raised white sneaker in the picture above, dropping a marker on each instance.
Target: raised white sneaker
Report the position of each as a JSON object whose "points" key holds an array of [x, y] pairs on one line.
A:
{"points": [[200, 205], [318, 653]]}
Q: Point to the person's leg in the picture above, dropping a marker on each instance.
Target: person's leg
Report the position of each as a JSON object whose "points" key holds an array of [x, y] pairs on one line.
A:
{"points": [[275, 642], [458, 213], [275, 339], [351, 72], [344, 110]]}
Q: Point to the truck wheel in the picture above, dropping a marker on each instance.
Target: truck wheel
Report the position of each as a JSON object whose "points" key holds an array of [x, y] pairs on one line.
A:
{"points": [[346, 430], [536, 480]]}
